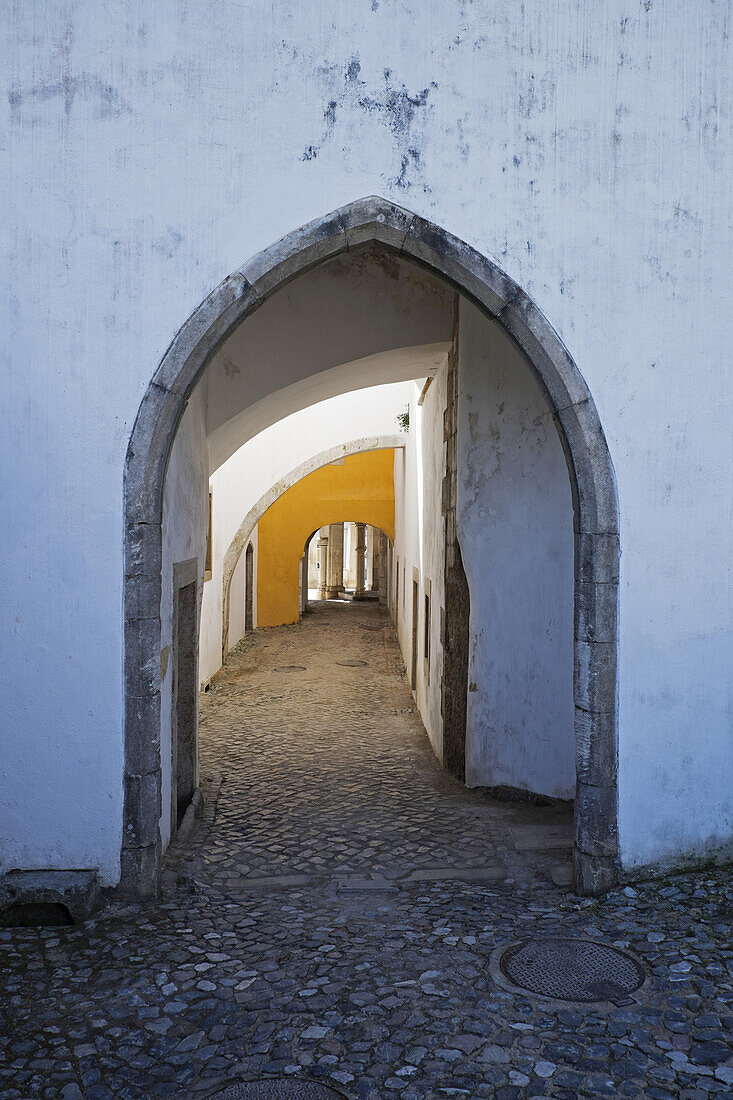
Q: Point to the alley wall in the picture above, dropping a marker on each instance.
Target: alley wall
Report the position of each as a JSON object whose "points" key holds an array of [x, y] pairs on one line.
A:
{"points": [[418, 548]]}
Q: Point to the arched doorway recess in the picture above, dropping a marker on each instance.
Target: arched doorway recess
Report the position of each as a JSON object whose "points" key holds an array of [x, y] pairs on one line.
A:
{"points": [[253, 516], [379, 222]]}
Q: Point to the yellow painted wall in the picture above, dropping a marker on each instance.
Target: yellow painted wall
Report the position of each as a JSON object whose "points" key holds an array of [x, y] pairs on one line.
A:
{"points": [[361, 490]]}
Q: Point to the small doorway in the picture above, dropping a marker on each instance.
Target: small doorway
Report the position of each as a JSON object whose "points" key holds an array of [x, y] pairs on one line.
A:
{"points": [[248, 590], [415, 613], [184, 740]]}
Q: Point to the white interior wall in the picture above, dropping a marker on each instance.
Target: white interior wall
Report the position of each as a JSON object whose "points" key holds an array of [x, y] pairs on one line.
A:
{"points": [[515, 528], [419, 543], [313, 571], [264, 460]]}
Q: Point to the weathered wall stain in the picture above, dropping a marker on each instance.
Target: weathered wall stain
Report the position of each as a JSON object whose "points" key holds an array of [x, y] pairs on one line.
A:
{"points": [[398, 110], [103, 101]]}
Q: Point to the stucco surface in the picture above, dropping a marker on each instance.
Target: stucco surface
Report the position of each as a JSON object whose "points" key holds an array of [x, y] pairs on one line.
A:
{"points": [[418, 544], [150, 150], [515, 528]]}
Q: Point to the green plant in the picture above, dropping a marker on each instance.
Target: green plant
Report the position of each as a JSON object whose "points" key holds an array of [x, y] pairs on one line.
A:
{"points": [[403, 419]]}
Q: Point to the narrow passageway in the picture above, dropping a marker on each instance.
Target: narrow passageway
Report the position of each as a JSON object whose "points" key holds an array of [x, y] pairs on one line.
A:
{"points": [[328, 773]]}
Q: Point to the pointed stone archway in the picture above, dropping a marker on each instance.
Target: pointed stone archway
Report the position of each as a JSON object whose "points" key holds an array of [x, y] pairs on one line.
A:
{"points": [[379, 222]]}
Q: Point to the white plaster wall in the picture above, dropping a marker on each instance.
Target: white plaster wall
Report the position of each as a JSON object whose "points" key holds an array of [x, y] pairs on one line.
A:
{"points": [[151, 149], [419, 543], [185, 527], [313, 571], [266, 459], [515, 527]]}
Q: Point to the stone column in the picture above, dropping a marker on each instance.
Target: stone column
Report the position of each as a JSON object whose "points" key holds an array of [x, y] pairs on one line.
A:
{"points": [[369, 558], [322, 564], [335, 582], [376, 541], [360, 548]]}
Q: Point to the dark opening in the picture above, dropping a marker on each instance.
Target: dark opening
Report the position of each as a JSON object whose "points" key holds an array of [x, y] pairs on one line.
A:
{"points": [[43, 914], [426, 633], [183, 779], [209, 541], [397, 589], [248, 589], [455, 663]]}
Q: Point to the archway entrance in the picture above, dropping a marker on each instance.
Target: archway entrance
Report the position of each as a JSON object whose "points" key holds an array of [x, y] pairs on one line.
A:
{"points": [[397, 233]]}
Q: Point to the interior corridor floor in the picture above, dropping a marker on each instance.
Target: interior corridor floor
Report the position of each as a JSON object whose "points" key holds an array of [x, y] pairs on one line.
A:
{"points": [[328, 773], [335, 916]]}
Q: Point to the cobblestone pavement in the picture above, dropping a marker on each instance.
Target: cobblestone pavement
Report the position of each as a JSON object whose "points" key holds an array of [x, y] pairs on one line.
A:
{"points": [[334, 914]]}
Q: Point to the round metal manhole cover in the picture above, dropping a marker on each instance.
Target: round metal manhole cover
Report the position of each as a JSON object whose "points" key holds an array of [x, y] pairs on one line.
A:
{"points": [[277, 1088], [352, 664], [290, 668], [572, 970]]}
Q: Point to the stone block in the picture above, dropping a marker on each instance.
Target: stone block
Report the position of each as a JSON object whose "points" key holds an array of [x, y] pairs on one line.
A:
{"points": [[460, 264], [189, 352], [142, 808], [541, 837], [269, 882], [140, 873], [142, 596], [598, 558], [78, 891], [596, 609], [374, 219], [147, 455], [546, 352], [562, 874], [142, 657], [493, 873], [595, 482], [142, 733], [595, 676], [143, 550], [295, 253], [596, 747], [596, 814], [594, 875]]}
